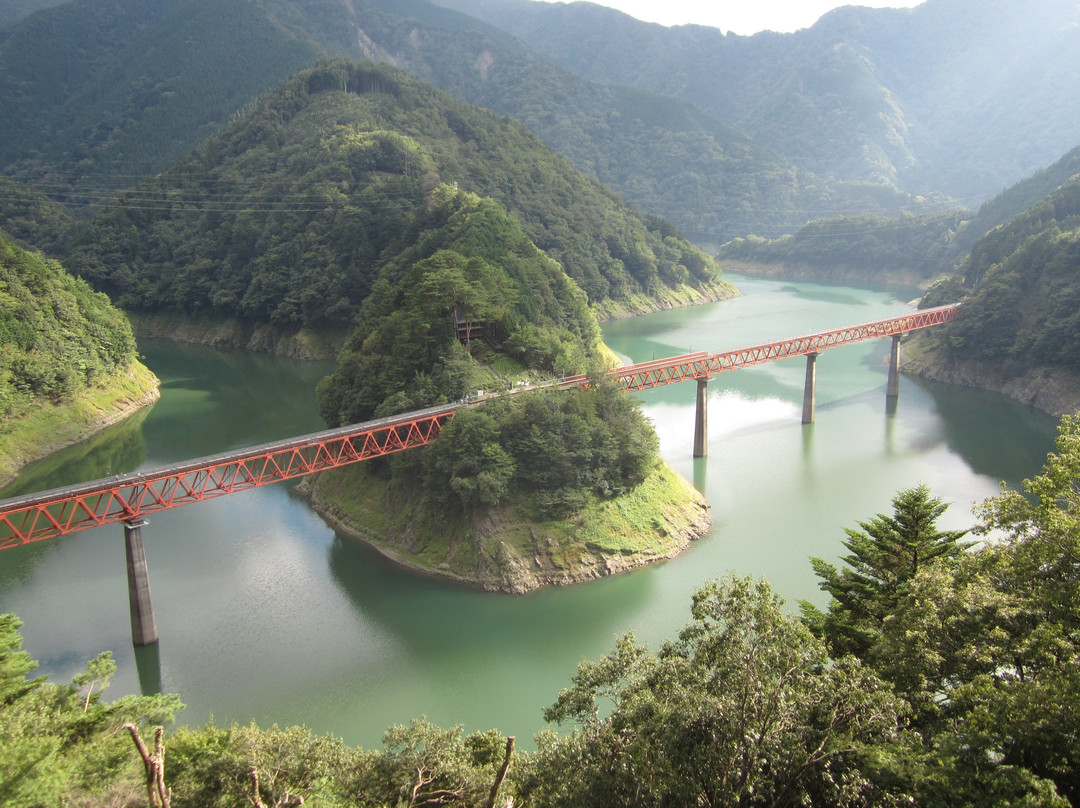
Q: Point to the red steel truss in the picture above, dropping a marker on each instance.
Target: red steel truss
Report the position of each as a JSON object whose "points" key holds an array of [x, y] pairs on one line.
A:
{"points": [[704, 364], [131, 497]]}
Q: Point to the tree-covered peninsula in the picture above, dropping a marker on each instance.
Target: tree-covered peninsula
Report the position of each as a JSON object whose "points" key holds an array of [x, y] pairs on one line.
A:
{"points": [[68, 363], [451, 252], [531, 488]]}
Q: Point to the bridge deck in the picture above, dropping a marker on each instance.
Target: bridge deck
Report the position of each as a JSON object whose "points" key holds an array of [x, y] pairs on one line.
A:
{"points": [[127, 497]]}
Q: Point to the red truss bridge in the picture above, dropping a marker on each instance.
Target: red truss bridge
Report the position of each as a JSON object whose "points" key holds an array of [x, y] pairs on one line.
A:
{"points": [[129, 498], [702, 365]]}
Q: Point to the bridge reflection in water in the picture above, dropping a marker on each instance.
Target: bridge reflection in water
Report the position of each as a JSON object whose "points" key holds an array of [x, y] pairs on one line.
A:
{"points": [[130, 498]]}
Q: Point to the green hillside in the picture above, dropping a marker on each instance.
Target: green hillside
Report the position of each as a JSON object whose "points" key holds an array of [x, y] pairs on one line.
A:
{"points": [[67, 359], [1025, 307], [1018, 198], [536, 488], [291, 213], [32, 220], [473, 263], [98, 94], [911, 250]]}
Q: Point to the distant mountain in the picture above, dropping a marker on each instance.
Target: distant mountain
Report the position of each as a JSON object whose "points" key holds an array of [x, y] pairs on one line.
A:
{"points": [[98, 94], [723, 135], [907, 250], [124, 88], [962, 97], [13, 10], [292, 213], [920, 249]]}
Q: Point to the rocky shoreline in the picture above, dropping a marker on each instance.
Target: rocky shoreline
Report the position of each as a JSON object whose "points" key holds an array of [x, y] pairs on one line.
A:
{"points": [[236, 335], [1051, 390], [504, 565]]}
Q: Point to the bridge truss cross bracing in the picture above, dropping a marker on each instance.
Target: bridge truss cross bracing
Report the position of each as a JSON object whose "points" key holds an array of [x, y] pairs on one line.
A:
{"points": [[134, 496], [702, 365]]}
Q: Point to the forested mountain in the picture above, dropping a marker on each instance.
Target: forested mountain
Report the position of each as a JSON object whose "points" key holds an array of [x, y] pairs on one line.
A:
{"points": [[1020, 197], [291, 213], [32, 220], [962, 97], [917, 249], [125, 87], [1025, 308], [909, 250], [58, 334], [99, 94]]}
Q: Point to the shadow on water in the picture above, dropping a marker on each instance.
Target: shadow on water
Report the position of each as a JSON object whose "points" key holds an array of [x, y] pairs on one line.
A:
{"points": [[820, 292], [206, 393], [445, 613], [997, 437]]}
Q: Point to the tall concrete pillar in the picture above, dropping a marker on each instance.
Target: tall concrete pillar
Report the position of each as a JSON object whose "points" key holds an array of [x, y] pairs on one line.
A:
{"points": [[893, 388], [143, 625], [701, 420], [810, 389]]}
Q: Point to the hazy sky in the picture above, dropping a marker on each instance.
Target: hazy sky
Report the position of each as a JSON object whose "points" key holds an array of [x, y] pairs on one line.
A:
{"points": [[741, 16]]}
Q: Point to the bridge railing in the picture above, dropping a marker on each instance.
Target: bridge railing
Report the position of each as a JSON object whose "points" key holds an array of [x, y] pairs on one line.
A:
{"points": [[702, 365], [128, 497]]}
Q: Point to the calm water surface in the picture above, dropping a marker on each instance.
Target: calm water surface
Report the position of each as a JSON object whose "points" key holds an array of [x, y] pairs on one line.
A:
{"points": [[265, 614]]}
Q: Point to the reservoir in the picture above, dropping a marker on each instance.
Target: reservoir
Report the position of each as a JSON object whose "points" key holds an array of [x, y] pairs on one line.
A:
{"points": [[266, 614]]}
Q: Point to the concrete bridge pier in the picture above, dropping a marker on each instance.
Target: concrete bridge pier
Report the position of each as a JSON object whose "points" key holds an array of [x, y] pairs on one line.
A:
{"points": [[701, 419], [810, 389], [892, 390], [143, 625]]}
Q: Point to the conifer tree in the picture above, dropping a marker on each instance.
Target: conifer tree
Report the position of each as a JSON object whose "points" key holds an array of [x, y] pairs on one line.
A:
{"points": [[884, 555]]}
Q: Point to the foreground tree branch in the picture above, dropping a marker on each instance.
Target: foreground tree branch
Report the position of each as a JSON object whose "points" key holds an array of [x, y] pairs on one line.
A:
{"points": [[154, 763]]}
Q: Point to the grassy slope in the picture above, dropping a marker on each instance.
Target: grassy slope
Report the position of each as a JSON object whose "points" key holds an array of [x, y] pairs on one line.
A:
{"points": [[43, 428], [510, 551]]}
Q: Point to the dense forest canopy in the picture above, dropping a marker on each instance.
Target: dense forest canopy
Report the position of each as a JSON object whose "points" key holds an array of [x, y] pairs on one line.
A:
{"points": [[476, 264], [290, 214], [123, 92], [1022, 289]]}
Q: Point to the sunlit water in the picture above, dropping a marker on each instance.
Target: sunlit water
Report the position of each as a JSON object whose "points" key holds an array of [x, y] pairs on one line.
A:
{"points": [[265, 614]]}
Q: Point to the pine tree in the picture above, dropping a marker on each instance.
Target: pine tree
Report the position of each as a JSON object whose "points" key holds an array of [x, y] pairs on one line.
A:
{"points": [[884, 555]]}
